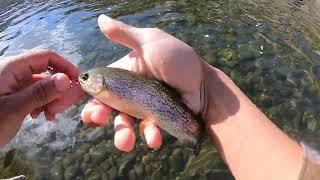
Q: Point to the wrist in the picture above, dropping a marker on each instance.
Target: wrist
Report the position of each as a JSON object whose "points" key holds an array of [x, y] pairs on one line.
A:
{"points": [[222, 119], [244, 135], [221, 95]]}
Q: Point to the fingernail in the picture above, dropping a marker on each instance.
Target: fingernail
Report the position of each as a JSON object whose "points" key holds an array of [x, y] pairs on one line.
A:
{"points": [[104, 19], [152, 136]]}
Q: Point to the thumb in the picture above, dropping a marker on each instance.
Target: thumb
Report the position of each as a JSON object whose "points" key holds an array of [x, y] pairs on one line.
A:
{"points": [[120, 33], [42, 92]]}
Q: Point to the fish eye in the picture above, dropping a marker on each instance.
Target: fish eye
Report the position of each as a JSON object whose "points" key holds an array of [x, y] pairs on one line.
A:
{"points": [[85, 76]]}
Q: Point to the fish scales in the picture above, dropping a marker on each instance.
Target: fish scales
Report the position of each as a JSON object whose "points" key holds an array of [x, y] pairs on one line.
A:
{"points": [[150, 94], [143, 98]]}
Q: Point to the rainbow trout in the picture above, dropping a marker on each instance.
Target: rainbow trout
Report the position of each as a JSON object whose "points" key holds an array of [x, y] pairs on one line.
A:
{"points": [[144, 98]]}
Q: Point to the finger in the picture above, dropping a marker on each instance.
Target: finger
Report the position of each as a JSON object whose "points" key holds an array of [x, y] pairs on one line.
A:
{"points": [[37, 77], [35, 113], [119, 32], [86, 119], [151, 134], [71, 96], [34, 78], [124, 138], [96, 114], [41, 92], [131, 37], [39, 61], [131, 62], [49, 116]]}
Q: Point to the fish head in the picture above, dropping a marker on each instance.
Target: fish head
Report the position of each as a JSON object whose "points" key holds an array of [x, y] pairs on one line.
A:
{"points": [[92, 82]]}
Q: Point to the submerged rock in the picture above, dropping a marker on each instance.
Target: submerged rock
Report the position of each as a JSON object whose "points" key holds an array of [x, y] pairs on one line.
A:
{"points": [[132, 175], [139, 170], [206, 160], [57, 172], [148, 169], [176, 160], [95, 175], [157, 174], [71, 172], [107, 164], [15, 162], [112, 172], [126, 163]]}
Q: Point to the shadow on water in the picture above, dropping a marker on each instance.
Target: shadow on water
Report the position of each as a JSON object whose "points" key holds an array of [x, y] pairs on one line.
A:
{"points": [[269, 48]]}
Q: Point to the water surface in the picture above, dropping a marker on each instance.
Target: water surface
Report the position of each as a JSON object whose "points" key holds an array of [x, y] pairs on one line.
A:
{"points": [[269, 48]]}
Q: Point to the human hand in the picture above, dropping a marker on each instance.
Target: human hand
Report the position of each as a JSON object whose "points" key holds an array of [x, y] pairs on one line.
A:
{"points": [[155, 54], [25, 89]]}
